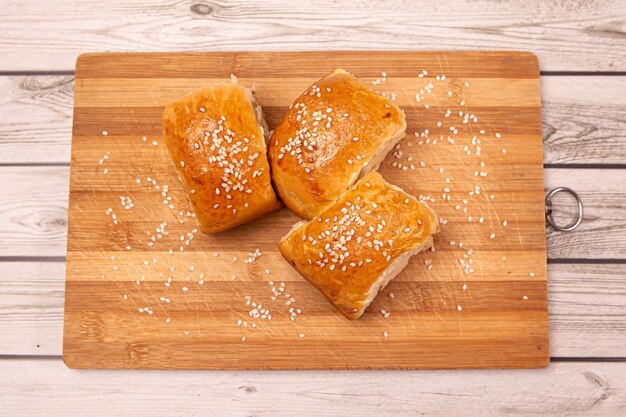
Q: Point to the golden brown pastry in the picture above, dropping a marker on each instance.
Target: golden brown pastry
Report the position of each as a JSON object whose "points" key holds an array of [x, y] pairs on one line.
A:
{"points": [[355, 247], [335, 132], [216, 139]]}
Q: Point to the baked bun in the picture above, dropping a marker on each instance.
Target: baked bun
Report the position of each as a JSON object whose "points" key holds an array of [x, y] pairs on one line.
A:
{"points": [[356, 246], [216, 139], [335, 132]]}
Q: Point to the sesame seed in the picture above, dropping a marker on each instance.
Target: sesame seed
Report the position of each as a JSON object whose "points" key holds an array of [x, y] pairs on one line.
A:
{"points": [[105, 133], [491, 236], [385, 334], [531, 274], [458, 307], [525, 297]]}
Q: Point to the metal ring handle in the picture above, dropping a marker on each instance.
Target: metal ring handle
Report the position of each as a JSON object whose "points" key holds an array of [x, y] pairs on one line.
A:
{"points": [[549, 218]]}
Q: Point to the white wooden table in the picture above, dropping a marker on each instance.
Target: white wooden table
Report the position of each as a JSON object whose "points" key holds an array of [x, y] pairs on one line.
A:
{"points": [[582, 50]]}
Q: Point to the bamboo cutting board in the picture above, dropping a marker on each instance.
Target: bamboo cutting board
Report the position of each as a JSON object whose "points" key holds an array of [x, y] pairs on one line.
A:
{"points": [[145, 290]]}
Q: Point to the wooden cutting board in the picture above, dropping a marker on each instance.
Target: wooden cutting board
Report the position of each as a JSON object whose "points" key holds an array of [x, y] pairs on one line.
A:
{"points": [[121, 311]]}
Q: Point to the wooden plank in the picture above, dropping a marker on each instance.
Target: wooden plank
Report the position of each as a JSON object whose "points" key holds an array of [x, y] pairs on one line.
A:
{"points": [[31, 301], [573, 389], [587, 310], [34, 212], [36, 122], [587, 306], [584, 118], [602, 234], [494, 317], [565, 35]]}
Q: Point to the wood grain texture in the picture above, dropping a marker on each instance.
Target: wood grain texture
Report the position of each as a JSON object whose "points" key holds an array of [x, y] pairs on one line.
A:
{"points": [[33, 211], [584, 119], [604, 201], [583, 122], [42, 192], [565, 389], [586, 304], [36, 121], [567, 36], [31, 301], [498, 320], [587, 310]]}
